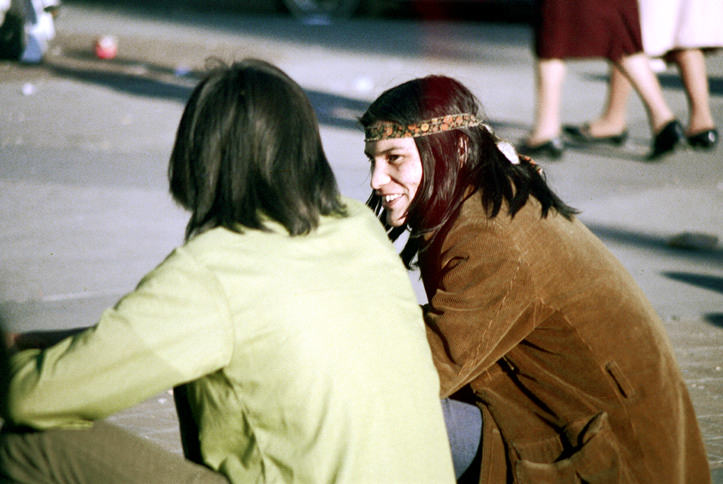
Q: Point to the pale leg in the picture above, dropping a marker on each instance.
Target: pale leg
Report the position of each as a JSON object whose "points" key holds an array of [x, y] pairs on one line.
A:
{"points": [[691, 64], [613, 120], [550, 74], [637, 68]]}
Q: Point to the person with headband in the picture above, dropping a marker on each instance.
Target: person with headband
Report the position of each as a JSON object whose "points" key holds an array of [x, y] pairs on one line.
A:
{"points": [[286, 324], [529, 316]]}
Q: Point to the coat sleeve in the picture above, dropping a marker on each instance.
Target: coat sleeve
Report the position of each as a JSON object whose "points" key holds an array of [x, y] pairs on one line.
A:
{"points": [[482, 303], [173, 328]]}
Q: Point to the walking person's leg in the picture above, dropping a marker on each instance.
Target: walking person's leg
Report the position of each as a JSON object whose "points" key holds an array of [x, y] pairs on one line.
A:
{"points": [[701, 130], [550, 76], [544, 138], [667, 131], [611, 126], [637, 68], [614, 119]]}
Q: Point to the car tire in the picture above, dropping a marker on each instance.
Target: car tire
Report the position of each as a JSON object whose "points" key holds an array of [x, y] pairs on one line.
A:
{"points": [[329, 9]]}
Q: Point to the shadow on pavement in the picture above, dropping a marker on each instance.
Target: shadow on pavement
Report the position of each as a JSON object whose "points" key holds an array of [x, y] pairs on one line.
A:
{"points": [[713, 283], [127, 82], [716, 319], [659, 243], [144, 79], [634, 150], [671, 80]]}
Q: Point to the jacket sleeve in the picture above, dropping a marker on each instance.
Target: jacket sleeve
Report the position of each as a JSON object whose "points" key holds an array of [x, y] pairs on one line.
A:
{"points": [[173, 328], [482, 303]]}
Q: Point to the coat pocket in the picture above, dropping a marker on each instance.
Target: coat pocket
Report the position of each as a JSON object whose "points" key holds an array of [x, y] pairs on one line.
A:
{"points": [[594, 459]]}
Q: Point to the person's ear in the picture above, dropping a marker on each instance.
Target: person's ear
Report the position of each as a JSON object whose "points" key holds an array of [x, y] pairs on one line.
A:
{"points": [[462, 149]]}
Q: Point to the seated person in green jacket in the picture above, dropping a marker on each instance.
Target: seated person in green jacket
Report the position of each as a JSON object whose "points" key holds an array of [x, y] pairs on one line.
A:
{"points": [[286, 322]]}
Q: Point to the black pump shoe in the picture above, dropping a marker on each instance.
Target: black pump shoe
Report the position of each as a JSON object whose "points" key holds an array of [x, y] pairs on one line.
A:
{"points": [[582, 134], [666, 140], [705, 139], [552, 148]]}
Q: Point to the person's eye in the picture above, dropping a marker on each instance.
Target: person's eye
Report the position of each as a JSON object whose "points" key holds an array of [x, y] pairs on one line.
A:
{"points": [[394, 158]]}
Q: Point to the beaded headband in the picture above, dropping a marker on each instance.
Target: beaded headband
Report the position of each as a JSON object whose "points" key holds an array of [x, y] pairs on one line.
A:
{"points": [[388, 129]]}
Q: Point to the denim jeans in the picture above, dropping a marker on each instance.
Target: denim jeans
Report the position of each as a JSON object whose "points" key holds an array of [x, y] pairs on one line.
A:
{"points": [[464, 430]]}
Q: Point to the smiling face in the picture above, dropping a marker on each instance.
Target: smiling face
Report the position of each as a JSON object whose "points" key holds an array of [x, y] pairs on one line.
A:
{"points": [[396, 175]]}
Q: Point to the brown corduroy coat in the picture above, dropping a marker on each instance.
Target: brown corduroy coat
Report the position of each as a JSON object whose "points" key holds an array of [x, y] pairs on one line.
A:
{"points": [[564, 354]]}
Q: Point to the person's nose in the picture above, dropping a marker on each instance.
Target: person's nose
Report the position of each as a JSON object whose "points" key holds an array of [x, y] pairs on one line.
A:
{"points": [[380, 177]]}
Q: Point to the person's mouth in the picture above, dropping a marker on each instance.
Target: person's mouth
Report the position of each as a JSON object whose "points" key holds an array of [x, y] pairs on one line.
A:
{"points": [[391, 198]]}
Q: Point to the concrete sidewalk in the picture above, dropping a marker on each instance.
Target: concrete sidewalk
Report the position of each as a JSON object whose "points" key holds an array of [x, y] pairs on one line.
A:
{"points": [[84, 145]]}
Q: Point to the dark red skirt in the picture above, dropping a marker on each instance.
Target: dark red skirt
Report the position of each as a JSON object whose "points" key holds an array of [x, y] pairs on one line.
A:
{"points": [[587, 28]]}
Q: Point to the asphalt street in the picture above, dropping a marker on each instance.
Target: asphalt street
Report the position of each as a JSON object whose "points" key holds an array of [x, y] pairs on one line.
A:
{"points": [[84, 143]]}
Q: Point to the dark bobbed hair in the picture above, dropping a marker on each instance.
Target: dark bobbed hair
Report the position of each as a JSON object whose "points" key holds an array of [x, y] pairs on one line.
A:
{"points": [[455, 163], [248, 146]]}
